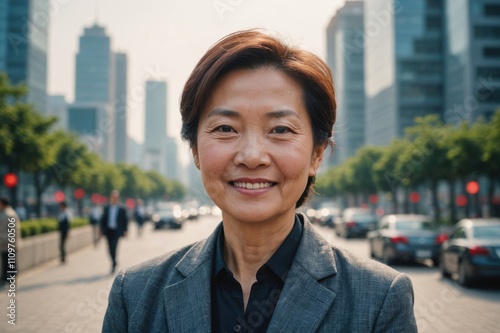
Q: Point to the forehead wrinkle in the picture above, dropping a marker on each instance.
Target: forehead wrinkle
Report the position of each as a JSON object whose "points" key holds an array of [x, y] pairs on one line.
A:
{"points": [[224, 113], [282, 114]]}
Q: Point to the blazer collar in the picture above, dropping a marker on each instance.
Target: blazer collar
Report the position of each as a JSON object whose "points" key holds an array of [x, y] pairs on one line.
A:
{"points": [[302, 304]]}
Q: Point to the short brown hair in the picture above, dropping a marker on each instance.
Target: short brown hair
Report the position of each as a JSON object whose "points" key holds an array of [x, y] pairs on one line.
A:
{"points": [[253, 49]]}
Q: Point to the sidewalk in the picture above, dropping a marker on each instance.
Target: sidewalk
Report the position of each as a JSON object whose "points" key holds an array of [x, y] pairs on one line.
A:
{"points": [[73, 297]]}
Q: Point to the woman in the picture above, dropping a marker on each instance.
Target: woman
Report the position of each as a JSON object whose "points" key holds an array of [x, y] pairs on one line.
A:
{"points": [[258, 116]]}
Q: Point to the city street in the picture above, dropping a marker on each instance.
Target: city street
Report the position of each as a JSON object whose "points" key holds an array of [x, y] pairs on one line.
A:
{"points": [[73, 297]]}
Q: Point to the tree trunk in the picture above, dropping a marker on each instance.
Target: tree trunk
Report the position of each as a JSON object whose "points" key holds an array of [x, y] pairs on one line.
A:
{"points": [[38, 193], [452, 204], [491, 194], [394, 201], [406, 200], [434, 199]]}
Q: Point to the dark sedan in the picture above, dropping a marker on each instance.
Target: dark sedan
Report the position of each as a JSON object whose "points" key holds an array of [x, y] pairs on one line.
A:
{"points": [[168, 216], [355, 222], [473, 251], [406, 237]]}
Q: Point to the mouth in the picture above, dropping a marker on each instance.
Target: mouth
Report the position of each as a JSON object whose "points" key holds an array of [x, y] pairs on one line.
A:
{"points": [[252, 185]]}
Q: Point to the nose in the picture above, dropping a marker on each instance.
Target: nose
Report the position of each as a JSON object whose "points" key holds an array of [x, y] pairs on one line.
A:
{"points": [[252, 152]]}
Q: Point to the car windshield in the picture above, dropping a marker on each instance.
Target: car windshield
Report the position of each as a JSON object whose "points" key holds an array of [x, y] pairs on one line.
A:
{"points": [[166, 212], [487, 232], [414, 225], [364, 218]]}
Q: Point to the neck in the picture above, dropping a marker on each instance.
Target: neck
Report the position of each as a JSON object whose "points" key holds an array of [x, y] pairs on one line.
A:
{"points": [[248, 246]]}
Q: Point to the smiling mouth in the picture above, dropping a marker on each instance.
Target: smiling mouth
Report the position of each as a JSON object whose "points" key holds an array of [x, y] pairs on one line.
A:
{"points": [[252, 186]]}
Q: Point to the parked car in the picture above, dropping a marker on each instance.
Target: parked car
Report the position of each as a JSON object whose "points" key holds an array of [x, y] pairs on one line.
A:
{"points": [[355, 222], [406, 237], [473, 251], [168, 216]]}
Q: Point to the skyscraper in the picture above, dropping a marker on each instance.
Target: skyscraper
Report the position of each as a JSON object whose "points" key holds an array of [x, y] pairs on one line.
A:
{"points": [[94, 67], [95, 91], [57, 106], [403, 65], [155, 125], [120, 107], [23, 46], [345, 58], [472, 60]]}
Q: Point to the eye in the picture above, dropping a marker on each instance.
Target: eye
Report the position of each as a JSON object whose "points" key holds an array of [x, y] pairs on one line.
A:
{"points": [[280, 130], [224, 129]]}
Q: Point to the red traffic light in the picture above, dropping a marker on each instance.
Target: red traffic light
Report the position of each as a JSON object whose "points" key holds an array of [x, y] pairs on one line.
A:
{"points": [[10, 180], [461, 200], [414, 197], [79, 193], [59, 196], [130, 203], [472, 187], [373, 199]]}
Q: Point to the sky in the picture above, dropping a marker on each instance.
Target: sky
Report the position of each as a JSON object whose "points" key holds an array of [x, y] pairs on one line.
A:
{"points": [[164, 39]]}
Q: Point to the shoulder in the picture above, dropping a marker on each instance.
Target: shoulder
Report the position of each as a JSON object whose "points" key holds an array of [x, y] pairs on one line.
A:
{"points": [[157, 272]]}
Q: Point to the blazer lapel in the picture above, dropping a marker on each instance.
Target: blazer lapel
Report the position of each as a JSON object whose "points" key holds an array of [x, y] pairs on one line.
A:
{"points": [[187, 303], [305, 301]]}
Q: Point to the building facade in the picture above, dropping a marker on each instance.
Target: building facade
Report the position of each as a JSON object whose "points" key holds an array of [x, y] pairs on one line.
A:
{"points": [[120, 107], [58, 107], [95, 92], [403, 65], [23, 46], [155, 126], [472, 60], [345, 57]]}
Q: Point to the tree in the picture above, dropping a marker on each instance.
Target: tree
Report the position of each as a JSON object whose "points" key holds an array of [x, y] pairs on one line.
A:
{"points": [[490, 137], [25, 142]]}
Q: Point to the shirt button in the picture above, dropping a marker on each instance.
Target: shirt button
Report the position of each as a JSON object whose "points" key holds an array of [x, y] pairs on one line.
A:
{"points": [[237, 328]]}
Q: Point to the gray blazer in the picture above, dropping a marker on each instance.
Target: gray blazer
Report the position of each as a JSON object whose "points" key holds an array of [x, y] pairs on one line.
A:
{"points": [[328, 289]]}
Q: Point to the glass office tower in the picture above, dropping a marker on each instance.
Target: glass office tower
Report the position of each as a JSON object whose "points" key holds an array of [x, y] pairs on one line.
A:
{"points": [[472, 60], [23, 46], [345, 58], [403, 65]]}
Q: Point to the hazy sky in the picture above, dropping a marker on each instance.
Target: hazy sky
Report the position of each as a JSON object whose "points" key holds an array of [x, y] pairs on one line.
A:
{"points": [[165, 38]]}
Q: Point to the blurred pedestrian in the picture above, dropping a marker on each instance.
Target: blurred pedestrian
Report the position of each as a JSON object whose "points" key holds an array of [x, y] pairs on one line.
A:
{"points": [[8, 219], [140, 216], [21, 212], [64, 221], [114, 225], [94, 219], [258, 116]]}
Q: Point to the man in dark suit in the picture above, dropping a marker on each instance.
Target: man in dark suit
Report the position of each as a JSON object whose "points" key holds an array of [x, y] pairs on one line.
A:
{"points": [[64, 225], [114, 225]]}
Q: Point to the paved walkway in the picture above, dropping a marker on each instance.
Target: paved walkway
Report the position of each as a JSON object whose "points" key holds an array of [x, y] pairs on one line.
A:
{"points": [[73, 297]]}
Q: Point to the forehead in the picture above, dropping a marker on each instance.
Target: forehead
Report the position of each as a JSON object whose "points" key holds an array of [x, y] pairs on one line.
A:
{"points": [[265, 86]]}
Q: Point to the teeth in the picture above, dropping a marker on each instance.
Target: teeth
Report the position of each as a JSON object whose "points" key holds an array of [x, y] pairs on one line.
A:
{"points": [[254, 186]]}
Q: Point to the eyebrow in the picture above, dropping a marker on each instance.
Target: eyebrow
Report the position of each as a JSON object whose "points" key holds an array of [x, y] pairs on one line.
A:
{"points": [[233, 114]]}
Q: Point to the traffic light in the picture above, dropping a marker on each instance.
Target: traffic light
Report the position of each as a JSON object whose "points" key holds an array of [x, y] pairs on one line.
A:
{"points": [[10, 180]]}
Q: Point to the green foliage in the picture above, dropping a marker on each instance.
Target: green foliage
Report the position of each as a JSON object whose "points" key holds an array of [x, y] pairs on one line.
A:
{"points": [[44, 225]]}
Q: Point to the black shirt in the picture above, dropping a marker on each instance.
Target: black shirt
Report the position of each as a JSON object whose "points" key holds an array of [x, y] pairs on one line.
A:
{"points": [[227, 297]]}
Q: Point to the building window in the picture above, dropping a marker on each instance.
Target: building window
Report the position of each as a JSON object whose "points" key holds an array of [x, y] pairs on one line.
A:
{"points": [[490, 96], [432, 23], [427, 46], [437, 4], [486, 72], [491, 10], [491, 52], [482, 31]]}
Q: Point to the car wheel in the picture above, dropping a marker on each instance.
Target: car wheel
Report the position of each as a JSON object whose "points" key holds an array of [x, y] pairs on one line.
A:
{"points": [[442, 269], [372, 254], [463, 279], [386, 256]]}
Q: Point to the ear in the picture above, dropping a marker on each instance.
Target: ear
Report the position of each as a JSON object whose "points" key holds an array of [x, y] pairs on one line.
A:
{"points": [[316, 159], [194, 151]]}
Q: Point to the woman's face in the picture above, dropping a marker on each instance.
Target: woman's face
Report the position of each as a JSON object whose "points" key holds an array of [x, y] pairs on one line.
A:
{"points": [[255, 145]]}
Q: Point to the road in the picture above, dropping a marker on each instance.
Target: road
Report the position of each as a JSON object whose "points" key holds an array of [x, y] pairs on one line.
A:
{"points": [[73, 297]]}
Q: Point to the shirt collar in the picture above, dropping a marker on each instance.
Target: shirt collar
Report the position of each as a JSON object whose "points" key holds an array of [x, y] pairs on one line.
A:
{"points": [[279, 263]]}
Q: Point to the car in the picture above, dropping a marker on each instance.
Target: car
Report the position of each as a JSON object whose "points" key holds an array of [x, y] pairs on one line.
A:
{"points": [[406, 237], [168, 216], [473, 251], [355, 222]]}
